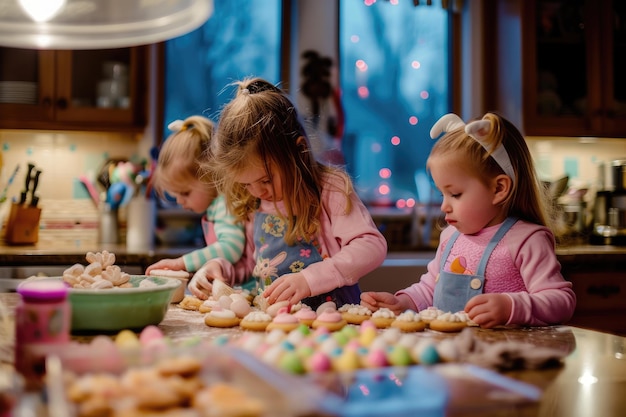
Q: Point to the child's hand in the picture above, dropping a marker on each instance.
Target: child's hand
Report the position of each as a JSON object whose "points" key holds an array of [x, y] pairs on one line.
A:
{"points": [[489, 310], [200, 284], [289, 287], [376, 300], [176, 264]]}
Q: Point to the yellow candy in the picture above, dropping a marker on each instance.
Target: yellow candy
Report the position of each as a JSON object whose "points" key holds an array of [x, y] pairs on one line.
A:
{"points": [[347, 361], [367, 336], [127, 339]]}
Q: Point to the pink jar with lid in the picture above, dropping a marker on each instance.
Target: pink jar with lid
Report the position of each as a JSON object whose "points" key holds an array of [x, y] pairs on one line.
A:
{"points": [[42, 318]]}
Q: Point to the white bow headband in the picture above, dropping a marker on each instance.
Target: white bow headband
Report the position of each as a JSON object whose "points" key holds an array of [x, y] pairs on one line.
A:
{"points": [[176, 125], [478, 131]]}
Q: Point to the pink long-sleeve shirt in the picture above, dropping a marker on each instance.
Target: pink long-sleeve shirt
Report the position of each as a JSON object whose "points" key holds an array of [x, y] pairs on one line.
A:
{"points": [[351, 243], [525, 254]]}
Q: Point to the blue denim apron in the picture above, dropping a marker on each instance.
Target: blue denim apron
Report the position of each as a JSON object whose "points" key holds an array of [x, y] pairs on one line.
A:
{"points": [[453, 290], [275, 258]]}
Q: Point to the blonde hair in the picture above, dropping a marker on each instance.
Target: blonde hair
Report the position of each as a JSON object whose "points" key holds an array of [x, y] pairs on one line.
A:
{"points": [[261, 122], [181, 154], [527, 199]]}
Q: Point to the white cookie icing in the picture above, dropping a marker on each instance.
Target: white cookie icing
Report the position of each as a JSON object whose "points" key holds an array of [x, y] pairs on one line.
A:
{"points": [[257, 316], [409, 316], [222, 314], [355, 309], [384, 313], [452, 317], [430, 313], [464, 317]]}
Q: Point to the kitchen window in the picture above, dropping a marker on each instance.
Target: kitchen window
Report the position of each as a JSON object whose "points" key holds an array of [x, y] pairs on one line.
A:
{"points": [[396, 82], [394, 71], [240, 39]]}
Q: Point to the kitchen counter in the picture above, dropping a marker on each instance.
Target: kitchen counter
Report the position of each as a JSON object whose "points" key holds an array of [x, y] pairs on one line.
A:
{"points": [[595, 271], [65, 253], [50, 253], [592, 380]]}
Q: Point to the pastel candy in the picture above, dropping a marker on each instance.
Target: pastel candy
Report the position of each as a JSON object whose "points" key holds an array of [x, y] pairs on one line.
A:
{"points": [[367, 336], [376, 358], [347, 361], [149, 334], [399, 356], [127, 339], [291, 362], [319, 362]]}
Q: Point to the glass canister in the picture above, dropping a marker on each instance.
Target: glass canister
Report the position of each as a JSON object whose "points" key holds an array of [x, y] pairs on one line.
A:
{"points": [[42, 318]]}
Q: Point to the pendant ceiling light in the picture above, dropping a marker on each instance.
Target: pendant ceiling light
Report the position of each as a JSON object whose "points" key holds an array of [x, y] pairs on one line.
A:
{"points": [[97, 24]]}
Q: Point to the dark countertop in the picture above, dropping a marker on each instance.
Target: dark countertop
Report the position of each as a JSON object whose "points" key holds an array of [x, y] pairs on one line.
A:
{"points": [[62, 253], [65, 254]]}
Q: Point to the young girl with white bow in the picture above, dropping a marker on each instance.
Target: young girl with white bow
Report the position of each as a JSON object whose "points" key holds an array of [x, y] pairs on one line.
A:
{"points": [[178, 174], [497, 259]]}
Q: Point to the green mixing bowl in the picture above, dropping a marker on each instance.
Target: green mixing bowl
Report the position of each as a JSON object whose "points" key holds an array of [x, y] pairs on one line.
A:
{"points": [[115, 309]]}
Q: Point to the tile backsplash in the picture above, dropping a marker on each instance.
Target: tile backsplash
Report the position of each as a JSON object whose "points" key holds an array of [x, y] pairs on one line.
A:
{"points": [[63, 157], [68, 214], [579, 158]]}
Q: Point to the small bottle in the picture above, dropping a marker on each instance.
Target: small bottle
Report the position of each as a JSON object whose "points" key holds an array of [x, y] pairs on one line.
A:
{"points": [[42, 318]]}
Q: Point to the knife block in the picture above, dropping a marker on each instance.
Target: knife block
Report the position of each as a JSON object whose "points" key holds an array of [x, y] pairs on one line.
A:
{"points": [[22, 226]]}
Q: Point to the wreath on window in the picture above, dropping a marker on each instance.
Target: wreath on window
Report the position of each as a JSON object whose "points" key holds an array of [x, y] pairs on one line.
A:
{"points": [[326, 110]]}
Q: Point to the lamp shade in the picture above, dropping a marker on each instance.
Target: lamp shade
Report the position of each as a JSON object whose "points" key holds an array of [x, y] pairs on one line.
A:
{"points": [[97, 24]]}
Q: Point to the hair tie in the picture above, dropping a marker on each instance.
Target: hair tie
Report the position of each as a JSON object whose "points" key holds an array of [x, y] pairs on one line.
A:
{"points": [[245, 92], [477, 130], [176, 126]]}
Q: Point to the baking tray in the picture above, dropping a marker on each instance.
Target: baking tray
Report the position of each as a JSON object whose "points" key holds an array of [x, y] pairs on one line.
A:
{"points": [[282, 395]]}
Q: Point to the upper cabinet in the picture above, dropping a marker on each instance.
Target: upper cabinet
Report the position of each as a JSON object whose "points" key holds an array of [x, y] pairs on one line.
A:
{"points": [[560, 66], [73, 90]]}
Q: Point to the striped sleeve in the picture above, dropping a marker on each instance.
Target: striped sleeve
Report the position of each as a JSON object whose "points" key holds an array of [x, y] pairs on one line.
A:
{"points": [[230, 238]]}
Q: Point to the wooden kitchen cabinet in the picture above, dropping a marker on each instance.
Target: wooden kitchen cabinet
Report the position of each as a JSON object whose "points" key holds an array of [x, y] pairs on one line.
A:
{"points": [[600, 299], [559, 66], [64, 90]]}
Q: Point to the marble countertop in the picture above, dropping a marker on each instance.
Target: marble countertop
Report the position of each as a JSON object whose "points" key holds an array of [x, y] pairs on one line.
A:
{"points": [[591, 381]]}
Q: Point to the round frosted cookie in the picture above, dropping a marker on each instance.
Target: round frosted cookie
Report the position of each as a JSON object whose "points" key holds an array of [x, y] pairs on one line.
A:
{"points": [[190, 302], [383, 317], [449, 323], [169, 273], [221, 318], [256, 321], [330, 319], [355, 313], [306, 316], [409, 321], [283, 321]]}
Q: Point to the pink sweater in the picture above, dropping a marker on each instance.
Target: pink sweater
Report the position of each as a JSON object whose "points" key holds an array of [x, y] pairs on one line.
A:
{"points": [[351, 244], [523, 266]]}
